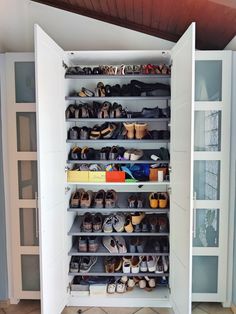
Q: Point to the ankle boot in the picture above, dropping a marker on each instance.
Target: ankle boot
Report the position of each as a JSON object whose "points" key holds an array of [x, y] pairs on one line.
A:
{"points": [[130, 129], [140, 130]]}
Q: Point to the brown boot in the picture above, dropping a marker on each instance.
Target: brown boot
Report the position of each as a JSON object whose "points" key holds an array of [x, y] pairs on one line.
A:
{"points": [[130, 129], [140, 130]]}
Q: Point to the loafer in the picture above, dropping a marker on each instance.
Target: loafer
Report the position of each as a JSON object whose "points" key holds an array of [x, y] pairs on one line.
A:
{"points": [[93, 244], [82, 244], [110, 199], [87, 224], [110, 244], [99, 199], [97, 222], [132, 201], [86, 199], [163, 224], [153, 221], [87, 262], [75, 199]]}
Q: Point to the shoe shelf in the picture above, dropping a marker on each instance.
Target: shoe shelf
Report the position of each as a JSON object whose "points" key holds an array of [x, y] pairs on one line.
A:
{"points": [[102, 251], [118, 141], [122, 206], [99, 270], [118, 98], [119, 120], [129, 76], [98, 161], [138, 183], [82, 211], [144, 160], [76, 231]]}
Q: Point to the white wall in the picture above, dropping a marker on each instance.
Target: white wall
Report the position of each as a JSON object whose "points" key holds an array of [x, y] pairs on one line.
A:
{"points": [[71, 31]]}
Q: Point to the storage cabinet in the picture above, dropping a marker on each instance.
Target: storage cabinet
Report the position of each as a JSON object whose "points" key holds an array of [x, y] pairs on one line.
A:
{"points": [[52, 88], [197, 186]]}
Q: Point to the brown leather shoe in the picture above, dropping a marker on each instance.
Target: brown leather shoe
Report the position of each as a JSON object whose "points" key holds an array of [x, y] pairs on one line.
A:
{"points": [[110, 199], [97, 222], [87, 224], [86, 199], [99, 199]]}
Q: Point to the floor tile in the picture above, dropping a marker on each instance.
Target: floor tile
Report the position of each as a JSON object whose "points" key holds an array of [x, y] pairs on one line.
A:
{"points": [[35, 312], [23, 307], [74, 309], [145, 310], [214, 308], [117, 310], [162, 310], [1, 312], [95, 310], [198, 311], [195, 304]]}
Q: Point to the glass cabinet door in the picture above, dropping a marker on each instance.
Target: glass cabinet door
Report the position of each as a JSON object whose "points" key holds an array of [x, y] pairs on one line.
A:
{"points": [[211, 175], [22, 164]]}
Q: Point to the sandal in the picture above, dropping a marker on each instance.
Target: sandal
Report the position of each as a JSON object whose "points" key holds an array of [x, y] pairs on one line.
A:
{"points": [[95, 133], [85, 93]]}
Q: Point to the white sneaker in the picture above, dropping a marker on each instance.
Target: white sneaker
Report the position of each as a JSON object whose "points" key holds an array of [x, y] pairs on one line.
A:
{"points": [[151, 263], [143, 264], [120, 242]]}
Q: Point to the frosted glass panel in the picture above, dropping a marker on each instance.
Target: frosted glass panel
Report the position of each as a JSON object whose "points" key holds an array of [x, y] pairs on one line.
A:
{"points": [[25, 82], [207, 179], [205, 274], [207, 130], [206, 229], [26, 131], [27, 179], [208, 80], [30, 272], [28, 228]]}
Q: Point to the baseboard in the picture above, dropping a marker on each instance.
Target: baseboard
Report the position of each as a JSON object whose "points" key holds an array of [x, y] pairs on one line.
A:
{"points": [[4, 303], [233, 308]]}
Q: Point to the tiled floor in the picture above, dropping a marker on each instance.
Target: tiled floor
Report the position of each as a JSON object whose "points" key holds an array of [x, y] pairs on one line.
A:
{"points": [[33, 307]]}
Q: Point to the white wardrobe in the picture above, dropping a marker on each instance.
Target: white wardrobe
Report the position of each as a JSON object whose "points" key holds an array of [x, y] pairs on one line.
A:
{"points": [[199, 178]]}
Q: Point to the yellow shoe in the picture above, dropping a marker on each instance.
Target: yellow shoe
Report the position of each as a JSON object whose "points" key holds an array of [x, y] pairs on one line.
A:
{"points": [[128, 225], [163, 200], [153, 200], [137, 218]]}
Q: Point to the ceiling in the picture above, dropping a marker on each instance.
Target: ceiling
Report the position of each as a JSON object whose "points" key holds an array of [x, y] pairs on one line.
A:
{"points": [[166, 19]]}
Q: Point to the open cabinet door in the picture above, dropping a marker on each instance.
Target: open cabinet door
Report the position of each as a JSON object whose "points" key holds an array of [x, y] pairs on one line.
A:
{"points": [[182, 105], [51, 176]]}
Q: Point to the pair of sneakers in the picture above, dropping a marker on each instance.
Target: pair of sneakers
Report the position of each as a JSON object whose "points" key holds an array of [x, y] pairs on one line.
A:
{"points": [[114, 222]]}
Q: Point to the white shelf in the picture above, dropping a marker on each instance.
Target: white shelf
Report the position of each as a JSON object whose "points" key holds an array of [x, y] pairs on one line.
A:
{"points": [[139, 183], [158, 297]]}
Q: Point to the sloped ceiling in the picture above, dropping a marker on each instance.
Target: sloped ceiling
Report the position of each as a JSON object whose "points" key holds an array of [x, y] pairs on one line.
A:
{"points": [[166, 19]]}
